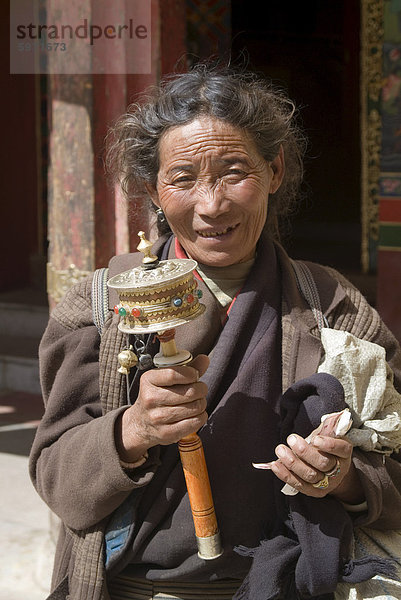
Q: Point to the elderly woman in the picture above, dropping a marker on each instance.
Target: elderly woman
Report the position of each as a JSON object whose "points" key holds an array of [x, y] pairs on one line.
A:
{"points": [[220, 157]]}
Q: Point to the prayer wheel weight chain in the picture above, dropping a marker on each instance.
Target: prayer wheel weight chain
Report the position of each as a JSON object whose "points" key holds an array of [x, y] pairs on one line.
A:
{"points": [[200, 497]]}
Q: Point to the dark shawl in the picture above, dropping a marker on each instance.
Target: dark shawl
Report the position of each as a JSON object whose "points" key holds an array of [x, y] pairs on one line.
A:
{"points": [[244, 382]]}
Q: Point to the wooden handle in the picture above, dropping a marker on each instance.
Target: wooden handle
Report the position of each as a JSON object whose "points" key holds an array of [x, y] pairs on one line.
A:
{"points": [[198, 485], [194, 464]]}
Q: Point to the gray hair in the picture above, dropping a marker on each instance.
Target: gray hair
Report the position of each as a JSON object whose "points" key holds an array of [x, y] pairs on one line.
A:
{"points": [[240, 98]]}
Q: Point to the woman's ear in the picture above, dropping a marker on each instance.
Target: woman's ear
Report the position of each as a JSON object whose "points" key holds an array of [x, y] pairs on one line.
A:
{"points": [[278, 167], [154, 196]]}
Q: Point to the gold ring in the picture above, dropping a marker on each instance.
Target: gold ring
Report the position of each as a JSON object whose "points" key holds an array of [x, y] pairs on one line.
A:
{"points": [[335, 470], [322, 484]]}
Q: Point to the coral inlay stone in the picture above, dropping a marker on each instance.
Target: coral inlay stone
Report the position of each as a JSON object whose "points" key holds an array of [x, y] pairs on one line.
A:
{"points": [[190, 298], [136, 312], [116, 310]]}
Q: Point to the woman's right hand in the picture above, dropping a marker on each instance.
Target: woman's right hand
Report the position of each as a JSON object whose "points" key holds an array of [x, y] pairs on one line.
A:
{"points": [[170, 405]]}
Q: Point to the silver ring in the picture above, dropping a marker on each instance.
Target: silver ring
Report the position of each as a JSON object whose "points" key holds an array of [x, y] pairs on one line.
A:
{"points": [[322, 484], [336, 470]]}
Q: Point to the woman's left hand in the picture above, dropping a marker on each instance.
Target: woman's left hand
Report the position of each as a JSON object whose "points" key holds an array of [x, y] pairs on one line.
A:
{"points": [[303, 466]]}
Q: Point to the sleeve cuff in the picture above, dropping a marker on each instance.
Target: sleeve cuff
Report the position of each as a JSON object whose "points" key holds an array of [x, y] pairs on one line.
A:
{"points": [[134, 465], [142, 474], [356, 508], [118, 477]]}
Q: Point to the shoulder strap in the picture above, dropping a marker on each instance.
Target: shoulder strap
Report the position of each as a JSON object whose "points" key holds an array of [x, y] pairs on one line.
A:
{"points": [[100, 298], [307, 287]]}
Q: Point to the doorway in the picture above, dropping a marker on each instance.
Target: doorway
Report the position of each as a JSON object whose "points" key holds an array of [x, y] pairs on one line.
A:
{"points": [[23, 212], [311, 48]]}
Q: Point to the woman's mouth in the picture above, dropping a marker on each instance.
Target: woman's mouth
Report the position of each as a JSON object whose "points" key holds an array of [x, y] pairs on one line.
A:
{"points": [[217, 233]]}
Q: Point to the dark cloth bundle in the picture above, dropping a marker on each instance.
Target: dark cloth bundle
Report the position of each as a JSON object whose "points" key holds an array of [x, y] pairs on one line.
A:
{"points": [[310, 551]]}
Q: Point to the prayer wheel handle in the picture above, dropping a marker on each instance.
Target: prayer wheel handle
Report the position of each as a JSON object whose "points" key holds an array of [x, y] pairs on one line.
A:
{"points": [[194, 465]]}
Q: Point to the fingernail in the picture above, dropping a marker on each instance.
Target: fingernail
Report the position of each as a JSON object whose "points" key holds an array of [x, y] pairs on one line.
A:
{"points": [[262, 465], [292, 440], [280, 451]]}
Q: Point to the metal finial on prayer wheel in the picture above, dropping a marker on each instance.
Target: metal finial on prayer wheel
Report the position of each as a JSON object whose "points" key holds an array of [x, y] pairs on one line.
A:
{"points": [[127, 359], [145, 247]]}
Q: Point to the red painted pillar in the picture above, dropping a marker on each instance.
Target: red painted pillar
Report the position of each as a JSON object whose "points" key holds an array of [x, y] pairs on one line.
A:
{"points": [[70, 176], [88, 220]]}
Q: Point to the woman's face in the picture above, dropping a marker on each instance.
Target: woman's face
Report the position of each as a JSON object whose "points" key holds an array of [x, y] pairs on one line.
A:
{"points": [[213, 186]]}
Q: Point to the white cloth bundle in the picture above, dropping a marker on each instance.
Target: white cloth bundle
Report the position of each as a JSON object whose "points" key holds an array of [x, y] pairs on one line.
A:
{"points": [[369, 391]]}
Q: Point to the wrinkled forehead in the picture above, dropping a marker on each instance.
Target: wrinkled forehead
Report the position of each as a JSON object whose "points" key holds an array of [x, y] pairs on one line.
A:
{"points": [[203, 138]]}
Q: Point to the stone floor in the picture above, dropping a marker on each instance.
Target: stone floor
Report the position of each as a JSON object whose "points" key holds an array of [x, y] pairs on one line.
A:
{"points": [[27, 527]]}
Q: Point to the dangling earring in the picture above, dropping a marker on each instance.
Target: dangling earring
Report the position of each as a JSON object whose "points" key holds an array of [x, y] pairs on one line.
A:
{"points": [[161, 217]]}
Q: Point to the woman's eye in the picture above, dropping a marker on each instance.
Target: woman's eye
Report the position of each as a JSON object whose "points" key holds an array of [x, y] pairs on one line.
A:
{"points": [[235, 173], [183, 179]]}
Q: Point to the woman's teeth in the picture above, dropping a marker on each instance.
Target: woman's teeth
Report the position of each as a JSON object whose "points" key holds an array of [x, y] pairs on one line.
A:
{"points": [[208, 234]]}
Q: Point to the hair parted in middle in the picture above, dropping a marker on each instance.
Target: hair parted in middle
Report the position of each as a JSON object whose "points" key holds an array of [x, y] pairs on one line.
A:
{"points": [[241, 98]]}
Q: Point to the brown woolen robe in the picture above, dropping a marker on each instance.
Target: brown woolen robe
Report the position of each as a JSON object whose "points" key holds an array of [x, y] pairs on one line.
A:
{"points": [[74, 463]]}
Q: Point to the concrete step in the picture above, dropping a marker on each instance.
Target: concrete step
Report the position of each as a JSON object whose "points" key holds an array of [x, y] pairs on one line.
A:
{"points": [[21, 328], [19, 363], [23, 320]]}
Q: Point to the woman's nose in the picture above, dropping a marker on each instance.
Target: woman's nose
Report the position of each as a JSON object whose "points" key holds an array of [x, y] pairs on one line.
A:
{"points": [[211, 200]]}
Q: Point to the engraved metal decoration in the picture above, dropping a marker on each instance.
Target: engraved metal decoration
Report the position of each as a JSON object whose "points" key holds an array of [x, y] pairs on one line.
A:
{"points": [[158, 298], [127, 359], [167, 270], [372, 20], [59, 281]]}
